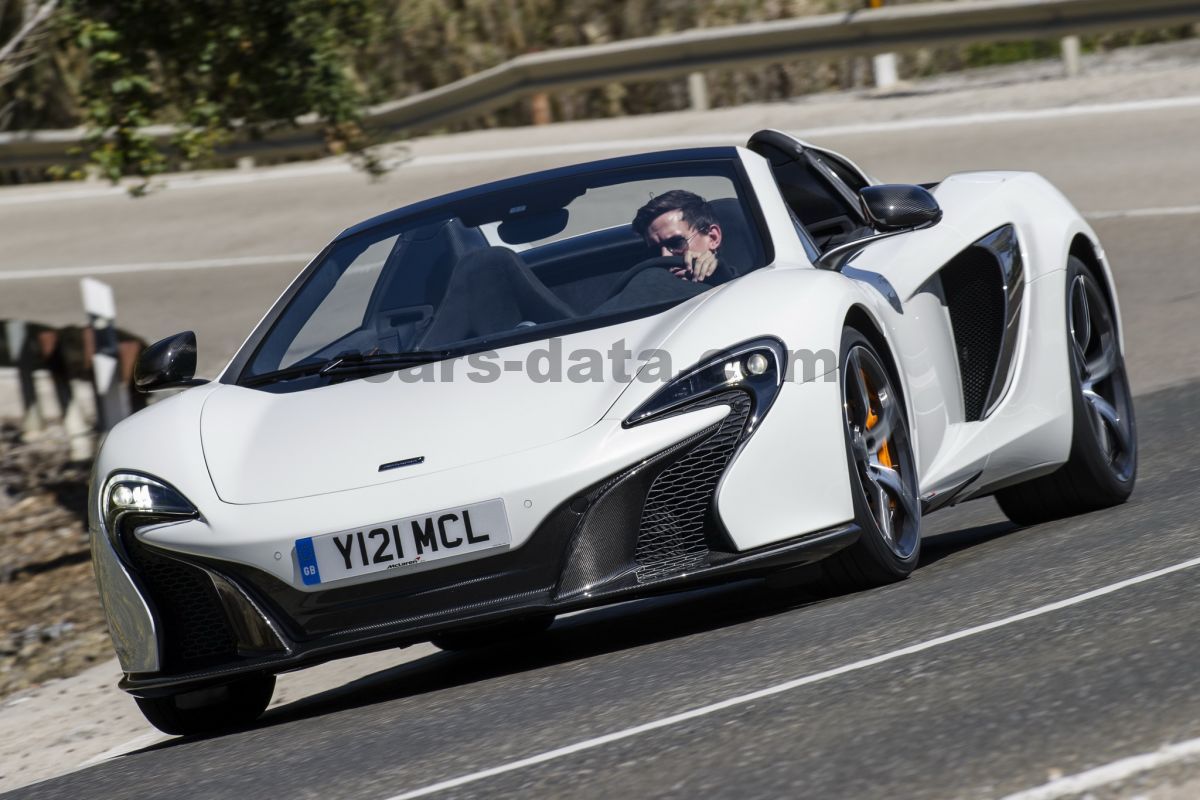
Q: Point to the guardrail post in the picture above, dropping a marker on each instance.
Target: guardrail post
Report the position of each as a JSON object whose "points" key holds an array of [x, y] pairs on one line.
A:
{"points": [[887, 73], [1072, 56], [884, 64], [112, 398], [75, 426], [697, 91], [539, 109]]}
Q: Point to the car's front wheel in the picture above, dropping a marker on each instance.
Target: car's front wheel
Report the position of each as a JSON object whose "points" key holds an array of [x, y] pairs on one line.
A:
{"points": [[211, 709], [883, 475]]}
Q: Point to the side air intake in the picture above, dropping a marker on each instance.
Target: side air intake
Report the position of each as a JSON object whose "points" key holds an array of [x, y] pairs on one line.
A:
{"points": [[984, 289]]}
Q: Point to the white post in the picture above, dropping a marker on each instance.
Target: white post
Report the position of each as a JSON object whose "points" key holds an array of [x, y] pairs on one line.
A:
{"points": [[1071, 56], [887, 74], [112, 396], [698, 91], [75, 426]]}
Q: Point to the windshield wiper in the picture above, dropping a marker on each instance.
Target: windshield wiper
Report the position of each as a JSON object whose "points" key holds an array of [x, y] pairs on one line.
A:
{"points": [[358, 362], [351, 363]]}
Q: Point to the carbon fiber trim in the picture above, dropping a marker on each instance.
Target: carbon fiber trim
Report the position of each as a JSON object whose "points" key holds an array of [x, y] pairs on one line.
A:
{"points": [[891, 207], [1006, 248], [602, 552]]}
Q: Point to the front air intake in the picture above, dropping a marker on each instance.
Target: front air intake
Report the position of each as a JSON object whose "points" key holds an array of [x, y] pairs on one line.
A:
{"points": [[677, 513], [197, 632]]}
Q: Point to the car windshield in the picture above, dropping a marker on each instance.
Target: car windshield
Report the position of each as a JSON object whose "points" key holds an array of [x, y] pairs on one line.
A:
{"points": [[528, 261]]}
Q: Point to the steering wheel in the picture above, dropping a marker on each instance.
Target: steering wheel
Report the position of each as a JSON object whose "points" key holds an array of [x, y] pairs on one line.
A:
{"points": [[657, 262]]}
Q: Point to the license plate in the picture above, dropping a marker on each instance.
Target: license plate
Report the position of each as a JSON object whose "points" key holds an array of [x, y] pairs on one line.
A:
{"points": [[403, 543]]}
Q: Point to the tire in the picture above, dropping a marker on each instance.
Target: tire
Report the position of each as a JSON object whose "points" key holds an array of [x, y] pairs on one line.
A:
{"points": [[883, 477], [1102, 466], [492, 635], [210, 710]]}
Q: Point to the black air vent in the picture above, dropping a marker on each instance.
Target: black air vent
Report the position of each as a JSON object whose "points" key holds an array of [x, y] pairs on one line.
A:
{"points": [[671, 536], [189, 611], [974, 291]]}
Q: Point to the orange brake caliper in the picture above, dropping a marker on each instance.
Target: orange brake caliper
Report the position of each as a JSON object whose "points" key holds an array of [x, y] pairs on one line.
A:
{"points": [[885, 452]]}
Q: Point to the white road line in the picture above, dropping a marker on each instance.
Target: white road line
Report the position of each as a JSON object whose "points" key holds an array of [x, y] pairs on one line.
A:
{"points": [[1110, 773], [341, 166], [1169, 211], [807, 680], [158, 266]]}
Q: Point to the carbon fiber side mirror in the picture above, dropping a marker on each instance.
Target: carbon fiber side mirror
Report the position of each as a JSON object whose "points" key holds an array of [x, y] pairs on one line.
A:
{"points": [[891, 209], [167, 364], [899, 206]]}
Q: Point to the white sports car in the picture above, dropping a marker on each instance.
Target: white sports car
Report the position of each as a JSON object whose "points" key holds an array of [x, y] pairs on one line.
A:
{"points": [[474, 413]]}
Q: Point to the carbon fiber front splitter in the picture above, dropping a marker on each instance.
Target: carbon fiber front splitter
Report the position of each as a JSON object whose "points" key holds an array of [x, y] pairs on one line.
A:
{"points": [[717, 568]]}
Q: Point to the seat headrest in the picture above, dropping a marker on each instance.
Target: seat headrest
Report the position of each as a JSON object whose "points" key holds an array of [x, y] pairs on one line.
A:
{"points": [[738, 250]]}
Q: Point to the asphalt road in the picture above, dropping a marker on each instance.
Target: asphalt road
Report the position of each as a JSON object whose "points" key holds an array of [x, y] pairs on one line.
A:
{"points": [[892, 692]]}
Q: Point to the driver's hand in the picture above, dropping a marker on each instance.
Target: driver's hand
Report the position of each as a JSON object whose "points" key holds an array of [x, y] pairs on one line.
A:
{"points": [[697, 266]]}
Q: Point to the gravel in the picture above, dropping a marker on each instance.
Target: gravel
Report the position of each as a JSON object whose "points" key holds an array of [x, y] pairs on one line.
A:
{"points": [[53, 626]]}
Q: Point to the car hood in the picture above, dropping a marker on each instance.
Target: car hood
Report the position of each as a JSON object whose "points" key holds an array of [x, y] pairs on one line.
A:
{"points": [[264, 447]]}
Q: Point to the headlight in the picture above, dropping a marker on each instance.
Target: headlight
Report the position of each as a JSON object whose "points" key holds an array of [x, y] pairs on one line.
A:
{"points": [[756, 367], [142, 498]]}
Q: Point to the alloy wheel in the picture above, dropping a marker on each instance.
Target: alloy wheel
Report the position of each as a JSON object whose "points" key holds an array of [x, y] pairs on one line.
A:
{"points": [[1098, 365], [880, 447]]}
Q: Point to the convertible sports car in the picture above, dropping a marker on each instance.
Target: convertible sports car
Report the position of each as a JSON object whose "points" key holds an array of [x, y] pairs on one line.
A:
{"points": [[474, 413]]}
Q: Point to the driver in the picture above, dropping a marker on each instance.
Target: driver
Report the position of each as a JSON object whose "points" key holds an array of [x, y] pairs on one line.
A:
{"points": [[681, 223]]}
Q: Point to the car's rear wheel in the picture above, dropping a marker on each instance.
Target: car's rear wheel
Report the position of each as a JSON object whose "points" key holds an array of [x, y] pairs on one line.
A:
{"points": [[883, 476], [1102, 466], [212, 709], [495, 634]]}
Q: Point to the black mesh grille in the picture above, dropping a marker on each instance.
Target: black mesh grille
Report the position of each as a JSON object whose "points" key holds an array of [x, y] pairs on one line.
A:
{"points": [[974, 291], [196, 631], [671, 535]]}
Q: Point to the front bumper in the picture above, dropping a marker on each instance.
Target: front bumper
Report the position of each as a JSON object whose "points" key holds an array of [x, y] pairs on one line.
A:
{"points": [[648, 528]]}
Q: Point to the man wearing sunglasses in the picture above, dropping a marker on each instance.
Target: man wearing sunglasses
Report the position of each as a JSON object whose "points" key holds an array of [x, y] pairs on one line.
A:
{"points": [[681, 223]]}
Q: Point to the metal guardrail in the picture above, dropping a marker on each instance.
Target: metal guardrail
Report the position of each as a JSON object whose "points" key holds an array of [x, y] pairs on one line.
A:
{"points": [[830, 35]]}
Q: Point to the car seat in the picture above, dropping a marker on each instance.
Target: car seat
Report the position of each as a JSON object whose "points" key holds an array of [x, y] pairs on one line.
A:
{"points": [[491, 291]]}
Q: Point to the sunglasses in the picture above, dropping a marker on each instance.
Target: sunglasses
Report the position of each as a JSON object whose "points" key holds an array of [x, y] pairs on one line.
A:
{"points": [[677, 244]]}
